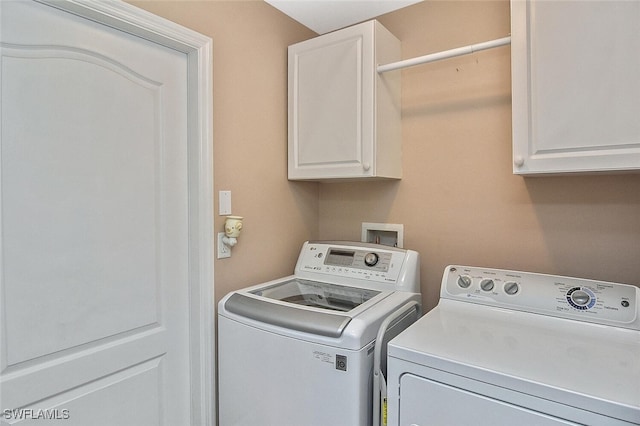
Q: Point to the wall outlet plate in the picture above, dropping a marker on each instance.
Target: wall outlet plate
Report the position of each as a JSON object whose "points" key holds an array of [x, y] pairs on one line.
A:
{"points": [[224, 250]]}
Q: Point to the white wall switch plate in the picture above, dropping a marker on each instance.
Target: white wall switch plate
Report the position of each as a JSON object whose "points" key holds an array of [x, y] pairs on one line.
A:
{"points": [[224, 203], [224, 251]]}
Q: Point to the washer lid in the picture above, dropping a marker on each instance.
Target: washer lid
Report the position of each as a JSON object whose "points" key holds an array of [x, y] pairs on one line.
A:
{"points": [[338, 301], [579, 364], [327, 296]]}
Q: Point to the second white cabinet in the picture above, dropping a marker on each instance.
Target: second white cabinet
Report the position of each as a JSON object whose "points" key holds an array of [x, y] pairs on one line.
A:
{"points": [[576, 86], [344, 117]]}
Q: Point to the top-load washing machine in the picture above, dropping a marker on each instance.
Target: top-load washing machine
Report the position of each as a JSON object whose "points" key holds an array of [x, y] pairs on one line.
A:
{"points": [[507, 348], [301, 350]]}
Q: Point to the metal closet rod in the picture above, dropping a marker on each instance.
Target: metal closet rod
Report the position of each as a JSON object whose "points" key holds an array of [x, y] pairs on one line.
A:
{"points": [[459, 51]]}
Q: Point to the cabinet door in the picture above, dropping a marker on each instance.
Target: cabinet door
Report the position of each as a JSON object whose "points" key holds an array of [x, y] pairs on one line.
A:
{"points": [[576, 91], [331, 105]]}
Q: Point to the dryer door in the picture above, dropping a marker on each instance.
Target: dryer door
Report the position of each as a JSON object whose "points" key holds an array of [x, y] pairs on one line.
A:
{"points": [[427, 402]]}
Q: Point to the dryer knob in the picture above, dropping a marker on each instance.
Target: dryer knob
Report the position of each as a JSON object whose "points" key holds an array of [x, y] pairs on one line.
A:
{"points": [[580, 297], [511, 288], [464, 281], [487, 284]]}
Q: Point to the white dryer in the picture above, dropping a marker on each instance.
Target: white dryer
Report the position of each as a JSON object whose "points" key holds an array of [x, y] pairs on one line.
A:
{"points": [[300, 350], [507, 348]]}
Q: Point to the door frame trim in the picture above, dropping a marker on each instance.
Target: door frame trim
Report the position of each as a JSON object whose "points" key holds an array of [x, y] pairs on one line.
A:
{"points": [[199, 51]]}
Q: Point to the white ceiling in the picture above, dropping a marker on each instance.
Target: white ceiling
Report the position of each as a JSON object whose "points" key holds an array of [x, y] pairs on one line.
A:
{"points": [[323, 16]]}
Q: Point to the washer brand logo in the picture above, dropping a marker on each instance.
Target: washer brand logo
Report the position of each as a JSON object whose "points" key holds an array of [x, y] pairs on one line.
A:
{"points": [[341, 362], [323, 356]]}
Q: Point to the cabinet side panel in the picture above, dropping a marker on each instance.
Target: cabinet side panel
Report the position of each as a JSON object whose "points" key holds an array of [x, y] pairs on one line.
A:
{"points": [[388, 104]]}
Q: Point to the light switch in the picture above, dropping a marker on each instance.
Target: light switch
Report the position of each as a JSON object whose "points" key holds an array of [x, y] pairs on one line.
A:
{"points": [[224, 203]]}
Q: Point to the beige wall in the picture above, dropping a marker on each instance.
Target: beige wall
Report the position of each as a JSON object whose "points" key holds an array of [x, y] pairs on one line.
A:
{"points": [[250, 40], [458, 200]]}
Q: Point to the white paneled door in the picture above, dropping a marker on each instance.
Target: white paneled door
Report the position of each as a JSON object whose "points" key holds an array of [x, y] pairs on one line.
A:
{"points": [[101, 278]]}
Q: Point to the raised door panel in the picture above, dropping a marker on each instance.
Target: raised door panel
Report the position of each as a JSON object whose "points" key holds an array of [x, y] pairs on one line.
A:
{"points": [[576, 92], [74, 232], [331, 105]]}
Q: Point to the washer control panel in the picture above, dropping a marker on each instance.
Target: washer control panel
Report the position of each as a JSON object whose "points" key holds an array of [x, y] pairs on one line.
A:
{"points": [[342, 262], [574, 298], [367, 260]]}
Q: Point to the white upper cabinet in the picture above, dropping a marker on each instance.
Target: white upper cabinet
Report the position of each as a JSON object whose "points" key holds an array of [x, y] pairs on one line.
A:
{"points": [[344, 117], [576, 86]]}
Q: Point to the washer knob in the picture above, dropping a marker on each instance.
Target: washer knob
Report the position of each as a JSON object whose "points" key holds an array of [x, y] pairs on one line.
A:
{"points": [[464, 281], [487, 284], [511, 288], [370, 259]]}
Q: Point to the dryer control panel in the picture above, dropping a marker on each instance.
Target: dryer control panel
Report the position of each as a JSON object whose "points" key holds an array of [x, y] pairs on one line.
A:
{"points": [[574, 298], [343, 262]]}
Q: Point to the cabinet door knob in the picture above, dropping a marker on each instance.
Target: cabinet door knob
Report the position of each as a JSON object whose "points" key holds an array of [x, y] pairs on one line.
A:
{"points": [[366, 166], [518, 161]]}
